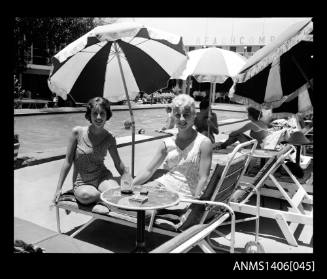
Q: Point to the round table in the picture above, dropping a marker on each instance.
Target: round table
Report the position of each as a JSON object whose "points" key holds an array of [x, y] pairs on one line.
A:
{"points": [[158, 198]]}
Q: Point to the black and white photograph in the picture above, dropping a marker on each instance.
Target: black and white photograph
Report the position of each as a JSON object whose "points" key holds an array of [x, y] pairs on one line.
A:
{"points": [[164, 135]]}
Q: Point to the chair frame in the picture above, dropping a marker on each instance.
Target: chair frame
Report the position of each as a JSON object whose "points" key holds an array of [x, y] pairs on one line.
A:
{"points": [[204, 244], [296, 214]]}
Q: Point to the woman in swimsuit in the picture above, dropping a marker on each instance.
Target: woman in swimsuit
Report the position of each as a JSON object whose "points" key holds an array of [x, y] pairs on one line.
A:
{"points": [[87, 149], [258, 130]]}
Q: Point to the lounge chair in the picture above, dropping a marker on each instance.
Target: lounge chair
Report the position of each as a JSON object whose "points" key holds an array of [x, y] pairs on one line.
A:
{"points": [[201, 217], [297, 197]]}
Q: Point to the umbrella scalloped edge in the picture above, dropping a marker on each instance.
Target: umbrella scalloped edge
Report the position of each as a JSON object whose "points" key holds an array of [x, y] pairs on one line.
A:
{"points": [[210, 78], [278, 115], [249, 102]]}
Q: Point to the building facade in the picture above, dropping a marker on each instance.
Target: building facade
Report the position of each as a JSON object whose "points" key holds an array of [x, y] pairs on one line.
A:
{"points": [[242, 35]]}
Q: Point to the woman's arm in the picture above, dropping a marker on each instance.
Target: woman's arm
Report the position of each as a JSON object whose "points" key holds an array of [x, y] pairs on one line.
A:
{"points": [[205, 164], [70, 153], [113, 151], [213, 123], [154, 164]]}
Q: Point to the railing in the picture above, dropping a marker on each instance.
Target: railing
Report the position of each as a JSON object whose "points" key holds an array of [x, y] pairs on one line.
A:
{"points": [[31, 103]]}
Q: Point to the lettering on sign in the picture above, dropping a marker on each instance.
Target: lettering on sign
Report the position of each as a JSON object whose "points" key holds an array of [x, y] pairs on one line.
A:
{"points": [[233, 40]]}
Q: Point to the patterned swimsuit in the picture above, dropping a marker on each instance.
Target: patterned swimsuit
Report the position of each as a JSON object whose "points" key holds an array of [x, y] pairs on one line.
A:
{"points": [[89, 168]]}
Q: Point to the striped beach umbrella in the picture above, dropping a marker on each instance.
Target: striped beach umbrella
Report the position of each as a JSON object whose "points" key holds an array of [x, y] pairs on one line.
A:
{"points": [[117, 61], [277, 71]]}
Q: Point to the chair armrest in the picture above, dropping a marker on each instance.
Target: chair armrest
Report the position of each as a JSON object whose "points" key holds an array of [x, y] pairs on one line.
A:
{"points": [[189, 238], [214, 203]]}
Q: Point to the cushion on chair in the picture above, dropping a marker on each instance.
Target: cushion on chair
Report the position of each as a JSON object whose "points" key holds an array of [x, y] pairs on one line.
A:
{"points": [[67, 199], [68, 196], [181, 220]]}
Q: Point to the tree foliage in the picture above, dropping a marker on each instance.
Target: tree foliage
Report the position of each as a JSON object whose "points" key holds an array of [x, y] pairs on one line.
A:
{"points": [[46, 32]]}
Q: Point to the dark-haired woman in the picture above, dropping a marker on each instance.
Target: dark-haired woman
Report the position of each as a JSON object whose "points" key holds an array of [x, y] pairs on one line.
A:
{"points": [[87, 149], [258, 130]]}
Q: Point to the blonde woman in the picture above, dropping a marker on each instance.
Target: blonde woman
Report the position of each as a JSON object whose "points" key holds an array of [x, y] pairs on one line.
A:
{"points": [[186, 156]]}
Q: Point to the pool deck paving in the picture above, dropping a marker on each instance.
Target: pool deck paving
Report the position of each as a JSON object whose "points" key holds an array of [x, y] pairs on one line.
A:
{"points": [[34, 188]]}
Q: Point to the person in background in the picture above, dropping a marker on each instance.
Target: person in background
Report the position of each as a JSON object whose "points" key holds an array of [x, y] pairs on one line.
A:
{"points": [[186, 156], [87, 149], [170, 122], [258, 130], [202, 121], [127, 124]]}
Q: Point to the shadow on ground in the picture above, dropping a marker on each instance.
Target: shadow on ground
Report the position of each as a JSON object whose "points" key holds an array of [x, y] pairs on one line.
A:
{"points": [[268, 229], [118, 238]]}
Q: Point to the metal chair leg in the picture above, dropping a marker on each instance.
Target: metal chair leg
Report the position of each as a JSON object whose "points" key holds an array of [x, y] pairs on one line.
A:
{"points": [[58, 219]]}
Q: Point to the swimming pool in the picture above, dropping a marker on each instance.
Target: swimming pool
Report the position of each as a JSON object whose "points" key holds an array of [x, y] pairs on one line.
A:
{"points": [[50, 131]]}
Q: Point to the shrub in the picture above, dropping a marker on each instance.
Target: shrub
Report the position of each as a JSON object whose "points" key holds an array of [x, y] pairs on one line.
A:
{"points": [[19, 92]]}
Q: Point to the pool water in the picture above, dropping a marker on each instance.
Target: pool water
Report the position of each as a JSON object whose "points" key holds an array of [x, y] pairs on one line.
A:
{"points": [[50, 131]]}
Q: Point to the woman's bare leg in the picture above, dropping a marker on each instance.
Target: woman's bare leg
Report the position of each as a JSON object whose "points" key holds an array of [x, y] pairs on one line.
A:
{"points": [[108, 184], [231, 139], [86, 194], [105, 185]]}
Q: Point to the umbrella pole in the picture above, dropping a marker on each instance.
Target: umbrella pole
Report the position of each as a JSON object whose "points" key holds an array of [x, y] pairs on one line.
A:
{"points": [[184, 86], [188, 85], [211, 98], [302, 72], [129, 107]]}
